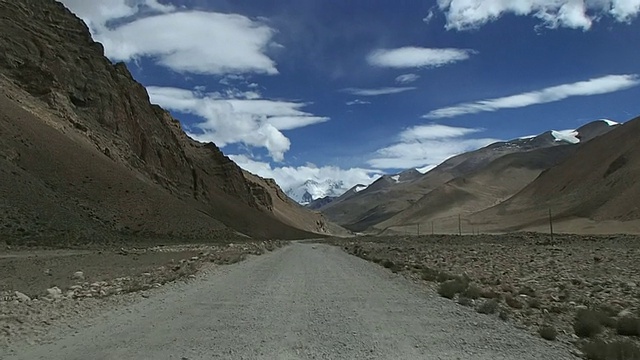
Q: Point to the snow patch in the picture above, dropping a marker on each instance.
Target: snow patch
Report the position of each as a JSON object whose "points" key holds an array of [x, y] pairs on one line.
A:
{"points": [[570, 136], [360, 188], [396, 178], [610, 122]]}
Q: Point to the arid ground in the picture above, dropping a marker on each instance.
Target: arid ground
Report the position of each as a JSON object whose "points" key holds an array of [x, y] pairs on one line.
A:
{"points": [[576, 289]]}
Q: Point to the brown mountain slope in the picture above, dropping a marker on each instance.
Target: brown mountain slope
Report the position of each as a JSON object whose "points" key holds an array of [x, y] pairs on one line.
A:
{"points": [[83, 150], [385, 198], [480, 190], [599, 183]]}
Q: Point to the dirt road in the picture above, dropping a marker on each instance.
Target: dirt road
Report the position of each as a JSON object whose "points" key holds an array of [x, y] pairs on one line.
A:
{"points": [[301, 302]]}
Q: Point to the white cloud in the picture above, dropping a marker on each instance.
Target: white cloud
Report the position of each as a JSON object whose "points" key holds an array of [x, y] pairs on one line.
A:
{"points": [[596, 86], [358, 102], [576, 14], [227, 120], [427, 19], [435, 131], [98, 13], [290, 177], [416, 57], [407, 78], [184, 41], [426, 146], [378, 91]]}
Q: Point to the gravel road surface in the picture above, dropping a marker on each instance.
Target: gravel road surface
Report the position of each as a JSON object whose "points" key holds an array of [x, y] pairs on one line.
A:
{"points": [[301, 302]]}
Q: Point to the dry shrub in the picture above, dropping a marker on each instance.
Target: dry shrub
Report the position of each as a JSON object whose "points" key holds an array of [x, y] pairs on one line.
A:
{"points": [[488, 307], [615, 350], [548, 332], [513, 302], [473, 292], [628, 326], [450, 288], [587, 323]]}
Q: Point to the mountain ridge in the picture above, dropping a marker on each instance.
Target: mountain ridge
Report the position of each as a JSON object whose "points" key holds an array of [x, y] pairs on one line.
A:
{"points": [[58, 82]]}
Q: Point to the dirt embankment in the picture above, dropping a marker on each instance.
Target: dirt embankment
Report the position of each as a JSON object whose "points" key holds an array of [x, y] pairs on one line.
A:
{"points": [[579, 289]]}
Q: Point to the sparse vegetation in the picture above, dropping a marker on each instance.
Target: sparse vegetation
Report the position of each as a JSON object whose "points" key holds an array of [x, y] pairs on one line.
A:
{"points": [[513, 302], [548, 332], [534, 303], [488, 307], [614, 350], [587, 323], [593, 298], [628, 326], [449, 289], [473, 292], [489, 294], [465, 301], [429, 274]]}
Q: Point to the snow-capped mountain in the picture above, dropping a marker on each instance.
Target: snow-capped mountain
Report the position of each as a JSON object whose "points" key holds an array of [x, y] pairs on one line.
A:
{"points": [[311, 190]]}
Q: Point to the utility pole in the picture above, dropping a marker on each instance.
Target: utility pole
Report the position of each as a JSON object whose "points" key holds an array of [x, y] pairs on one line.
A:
{"points": [[550, 224], [459, 225], [418, 229], [432, 232]]}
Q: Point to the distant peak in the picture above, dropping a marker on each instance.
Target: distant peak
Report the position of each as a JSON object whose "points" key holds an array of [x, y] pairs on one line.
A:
{"points": [[610, 122]]}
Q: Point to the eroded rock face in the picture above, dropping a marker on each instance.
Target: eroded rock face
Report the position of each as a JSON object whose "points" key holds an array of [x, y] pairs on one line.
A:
{"points": [[48, 52]]}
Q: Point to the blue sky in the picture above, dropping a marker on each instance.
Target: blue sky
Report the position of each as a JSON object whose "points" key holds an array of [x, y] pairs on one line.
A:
{"points": [[347, 90]]}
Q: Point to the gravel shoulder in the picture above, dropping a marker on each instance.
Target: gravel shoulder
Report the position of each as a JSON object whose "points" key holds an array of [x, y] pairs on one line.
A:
{"points": [[302, 301]]}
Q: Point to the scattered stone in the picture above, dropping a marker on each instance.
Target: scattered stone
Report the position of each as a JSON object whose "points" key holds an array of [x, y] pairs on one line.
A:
{"points": [[78, 275], [54, 293], [22, 297]]}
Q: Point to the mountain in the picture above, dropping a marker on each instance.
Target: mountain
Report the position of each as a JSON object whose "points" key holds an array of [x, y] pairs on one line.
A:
{"points": [[593, 190], [312, 190], [85, 156], [385, 198], [482, 189]]}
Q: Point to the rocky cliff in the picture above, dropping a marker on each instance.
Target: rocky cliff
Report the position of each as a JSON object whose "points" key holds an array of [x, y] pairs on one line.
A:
{"points": [[144, 173]]}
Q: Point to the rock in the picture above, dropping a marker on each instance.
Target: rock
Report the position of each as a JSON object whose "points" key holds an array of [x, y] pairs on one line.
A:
{"points": [[54, 293], [147, 274], [78, 275], [625, 313], [22, 297], [48, 272]]}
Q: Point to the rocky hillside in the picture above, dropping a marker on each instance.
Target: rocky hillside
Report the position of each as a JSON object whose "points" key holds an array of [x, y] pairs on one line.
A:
{"points": [[386, 198], [83, 152], [594, 187]]}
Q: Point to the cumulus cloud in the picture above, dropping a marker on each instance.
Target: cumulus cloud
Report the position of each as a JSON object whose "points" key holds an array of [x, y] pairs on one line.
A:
{"points": [[290, 177], [407, 78], [378, 91], [237, 117], [596, 86], [576, 14], [416, 57], [184, 41], [426, 146]]}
